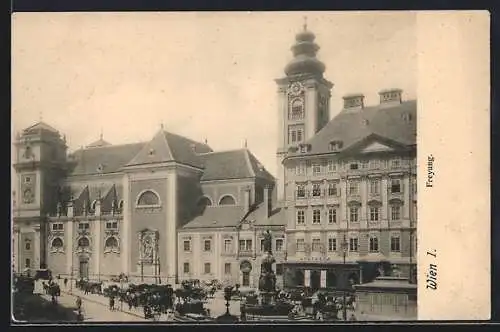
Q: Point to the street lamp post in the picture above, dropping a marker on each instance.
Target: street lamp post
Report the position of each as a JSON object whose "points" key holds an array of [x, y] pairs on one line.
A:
{"points": [[71, 281], [344, 252]]}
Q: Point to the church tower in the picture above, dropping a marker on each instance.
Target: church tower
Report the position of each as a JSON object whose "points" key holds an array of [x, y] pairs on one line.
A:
{"points": [[39, 165], [303, 100]]}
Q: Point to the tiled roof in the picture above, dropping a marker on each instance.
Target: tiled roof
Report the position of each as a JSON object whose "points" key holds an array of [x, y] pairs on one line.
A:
{"points": [[352, 126], [166, 147], [185, 150], [234, 164], [112, 158], [216, 217]]}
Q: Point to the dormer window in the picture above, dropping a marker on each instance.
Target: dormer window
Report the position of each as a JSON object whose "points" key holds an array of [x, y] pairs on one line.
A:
{"points": [[335, 145], [305, 148]]}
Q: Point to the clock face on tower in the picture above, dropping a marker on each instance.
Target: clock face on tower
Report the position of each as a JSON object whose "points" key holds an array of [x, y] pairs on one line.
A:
{"points": [[295, 89]]}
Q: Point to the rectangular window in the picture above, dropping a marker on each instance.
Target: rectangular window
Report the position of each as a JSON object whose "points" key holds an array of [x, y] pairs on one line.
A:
{"points": [[301, 168], [332, 244], [301, 217], [301, 191], [316, 245], [374, 187], [300, 244], [279, 244], [332, 166], [187, 245], [279, 269], [395, 212], [375, 163], [332, 216], [364, 164], [207, 245], [395, 243], [316, 216], [395, 163], [227, 245], [332, 189], [353, 214], [186, 267], [227, 268], [373, 244], [353, 188], [316, 190], [206, 269], [353, 244], [111, 225], [57, 227], [316, 169], [245, 245], [262, 245], [27, 262], [373, 213], [83, 225], [299, 135], [294, 136], [395, 186], [353, 166]]}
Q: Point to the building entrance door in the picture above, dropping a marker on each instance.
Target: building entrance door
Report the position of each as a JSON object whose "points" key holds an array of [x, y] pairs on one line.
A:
{"points": [[246, 279], [315, 280], [84, 268]]}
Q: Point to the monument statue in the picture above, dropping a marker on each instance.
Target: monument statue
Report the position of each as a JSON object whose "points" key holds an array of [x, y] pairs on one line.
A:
{"points": [[268, 242], [267, 280], [147, 248]]}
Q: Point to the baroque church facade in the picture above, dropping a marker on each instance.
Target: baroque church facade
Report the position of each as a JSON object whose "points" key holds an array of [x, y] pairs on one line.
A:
{"points": [[110, 209]]}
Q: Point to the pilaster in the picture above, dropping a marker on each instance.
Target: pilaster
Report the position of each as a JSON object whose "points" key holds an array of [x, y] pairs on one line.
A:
{"points": [[69, 246], [171, 231], [126, 239]]}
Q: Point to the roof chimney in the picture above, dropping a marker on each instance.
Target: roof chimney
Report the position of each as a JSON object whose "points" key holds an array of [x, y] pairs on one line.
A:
{"points": [[354, 101], [390, 96], [267, 201]]}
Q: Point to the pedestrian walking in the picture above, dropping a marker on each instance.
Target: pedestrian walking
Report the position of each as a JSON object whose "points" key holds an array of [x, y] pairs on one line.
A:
{"points": [[65, 282], [111, 303], [78, 303]]}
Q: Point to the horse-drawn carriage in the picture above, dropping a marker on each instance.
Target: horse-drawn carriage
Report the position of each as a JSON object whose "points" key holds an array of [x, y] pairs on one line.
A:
{"points": [[93, 287]]}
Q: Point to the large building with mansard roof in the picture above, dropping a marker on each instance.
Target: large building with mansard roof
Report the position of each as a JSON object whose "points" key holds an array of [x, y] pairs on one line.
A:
{"points": [[347, 186], [107, 209]]}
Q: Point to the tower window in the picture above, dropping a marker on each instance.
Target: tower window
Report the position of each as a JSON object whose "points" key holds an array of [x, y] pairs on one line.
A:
{"points": [[296, 109], [295, 134]]}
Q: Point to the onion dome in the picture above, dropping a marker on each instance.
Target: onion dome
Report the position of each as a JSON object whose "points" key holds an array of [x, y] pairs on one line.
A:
{"points": [[304, 51]]}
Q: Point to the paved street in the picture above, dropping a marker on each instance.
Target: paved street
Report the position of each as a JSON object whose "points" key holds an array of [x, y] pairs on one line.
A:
{"points": [[95, 308]]}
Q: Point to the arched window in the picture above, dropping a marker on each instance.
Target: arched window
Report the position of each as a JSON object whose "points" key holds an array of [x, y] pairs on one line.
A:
{"points": [[83, 242], [111, 242], [57, 243], [227, 200], [148, 198], [204, 201], [296, 109]]}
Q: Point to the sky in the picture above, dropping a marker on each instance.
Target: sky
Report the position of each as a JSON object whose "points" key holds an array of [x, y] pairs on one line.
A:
{"points": [[202, 75]]}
